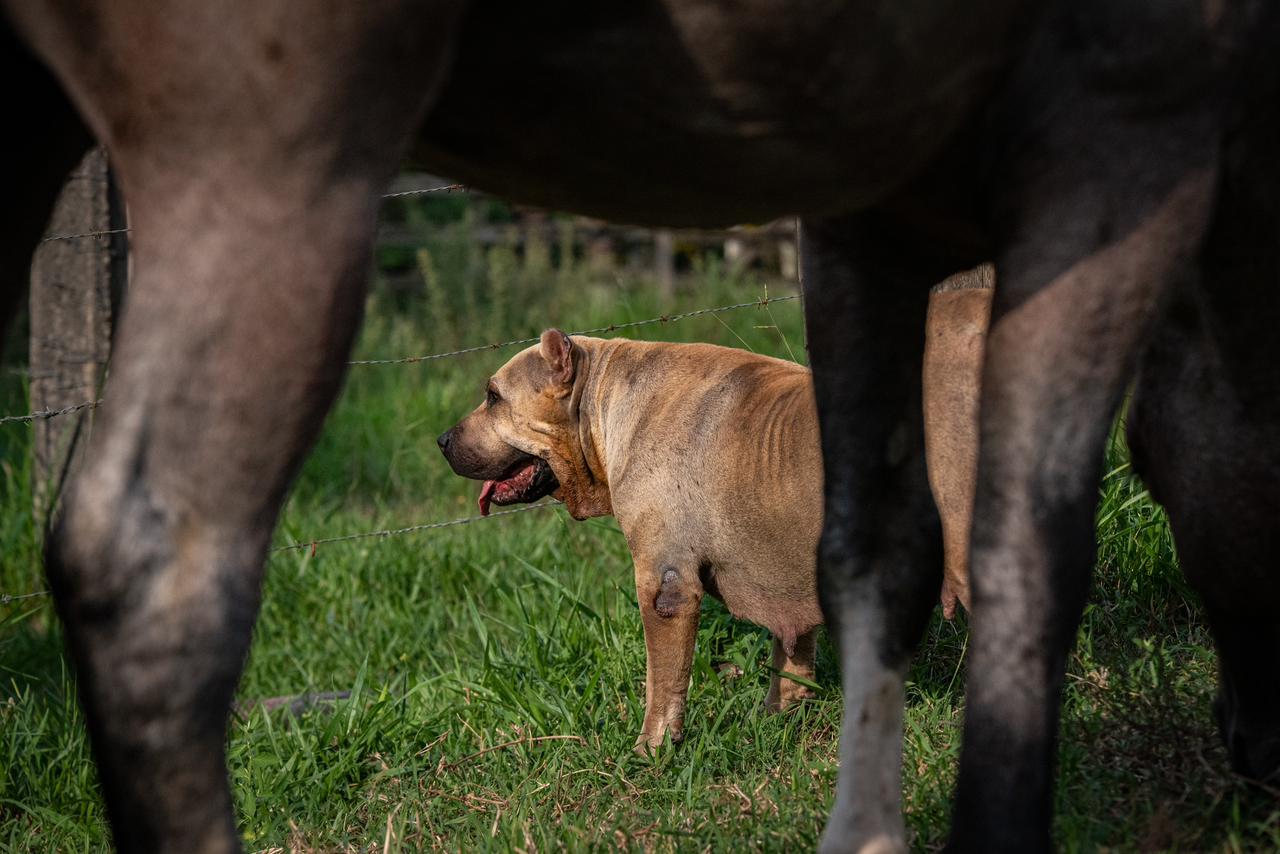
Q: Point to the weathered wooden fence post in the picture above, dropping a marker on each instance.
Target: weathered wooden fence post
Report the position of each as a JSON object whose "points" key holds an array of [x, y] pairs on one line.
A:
{"points": [[71, 300]]}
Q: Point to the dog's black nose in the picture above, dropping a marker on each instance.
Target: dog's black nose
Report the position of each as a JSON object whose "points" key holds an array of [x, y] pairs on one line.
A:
{"points": [[443, 439]]}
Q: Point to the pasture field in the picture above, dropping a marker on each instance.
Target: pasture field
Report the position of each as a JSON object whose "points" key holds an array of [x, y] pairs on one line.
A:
{"points": [[496, 670]]}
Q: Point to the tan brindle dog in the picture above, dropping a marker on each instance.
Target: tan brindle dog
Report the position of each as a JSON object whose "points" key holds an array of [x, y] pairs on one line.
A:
{"points": [[709, 458]]}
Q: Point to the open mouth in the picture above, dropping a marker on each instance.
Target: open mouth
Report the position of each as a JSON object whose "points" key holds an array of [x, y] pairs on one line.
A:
{"points": [[528, 480]]}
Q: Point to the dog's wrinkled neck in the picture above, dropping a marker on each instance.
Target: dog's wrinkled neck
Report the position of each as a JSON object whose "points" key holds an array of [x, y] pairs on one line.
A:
{"points": [[587, 495]]}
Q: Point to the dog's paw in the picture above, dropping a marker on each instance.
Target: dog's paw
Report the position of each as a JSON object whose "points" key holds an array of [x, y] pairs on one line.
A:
{"points": [[797, 695], [647, 744], [948, 604], [953, 594], [788, 697]]}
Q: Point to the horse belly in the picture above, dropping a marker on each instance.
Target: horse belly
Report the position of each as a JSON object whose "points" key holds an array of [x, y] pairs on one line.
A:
{"points": [[707, 113]]}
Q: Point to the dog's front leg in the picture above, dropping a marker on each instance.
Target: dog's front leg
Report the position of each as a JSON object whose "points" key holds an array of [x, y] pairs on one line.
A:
{"points": [[670, 598]]}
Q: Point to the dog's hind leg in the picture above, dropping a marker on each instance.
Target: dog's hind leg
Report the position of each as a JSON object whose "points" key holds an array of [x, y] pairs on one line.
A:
{"points": [[866, 290], [1204, 429], [670, 597], [252, 158], [798, 660]]}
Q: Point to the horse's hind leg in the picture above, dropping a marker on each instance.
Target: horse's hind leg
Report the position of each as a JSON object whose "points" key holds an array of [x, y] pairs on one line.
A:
{"points": [[1209, 449], [1204, 430], [252, 204], [1049, 392]]}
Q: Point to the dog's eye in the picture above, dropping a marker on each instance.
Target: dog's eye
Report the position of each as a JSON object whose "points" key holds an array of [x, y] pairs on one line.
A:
{"points": [[491, 396]]}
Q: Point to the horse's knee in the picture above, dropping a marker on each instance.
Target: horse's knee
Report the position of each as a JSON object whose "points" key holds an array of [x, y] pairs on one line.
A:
{"points": [[157, 596], [839, 575], [109, 537], [158, 621], [890, 577], [126, 557]]}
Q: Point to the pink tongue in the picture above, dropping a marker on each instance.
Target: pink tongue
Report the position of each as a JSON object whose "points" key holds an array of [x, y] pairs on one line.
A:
{"points": [[486, 493]]}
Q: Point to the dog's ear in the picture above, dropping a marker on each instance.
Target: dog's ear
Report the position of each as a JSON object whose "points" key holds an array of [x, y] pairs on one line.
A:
{"points": [[557, 352]]}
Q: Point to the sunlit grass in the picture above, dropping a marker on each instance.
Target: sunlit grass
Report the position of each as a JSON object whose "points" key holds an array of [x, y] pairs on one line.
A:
{"points": [[495, 670]]}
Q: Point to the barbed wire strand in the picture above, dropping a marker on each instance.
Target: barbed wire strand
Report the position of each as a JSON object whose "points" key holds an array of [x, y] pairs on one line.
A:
{"points": [[6, 598], [49, 413], [612, 327], [412, 529], [83, 234], [448, 188]]}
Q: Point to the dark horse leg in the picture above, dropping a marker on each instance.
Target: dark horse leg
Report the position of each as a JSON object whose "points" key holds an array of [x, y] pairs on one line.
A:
{"points": [[866, 291], [1097, 207], [252, 189], [1204, 429]]}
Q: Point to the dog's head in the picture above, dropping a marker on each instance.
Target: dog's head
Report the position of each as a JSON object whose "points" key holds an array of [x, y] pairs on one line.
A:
{"points": [[523, 440]]}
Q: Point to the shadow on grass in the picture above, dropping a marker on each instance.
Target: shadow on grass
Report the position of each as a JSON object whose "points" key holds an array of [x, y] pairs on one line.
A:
{"points": [[1141, 745]]}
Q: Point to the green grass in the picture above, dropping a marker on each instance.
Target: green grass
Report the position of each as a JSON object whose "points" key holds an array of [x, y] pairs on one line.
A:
{"points": [[496, 670]]}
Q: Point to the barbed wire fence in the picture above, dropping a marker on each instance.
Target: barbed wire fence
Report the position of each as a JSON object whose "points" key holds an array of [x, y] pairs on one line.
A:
{"points": [[313, 545]]}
